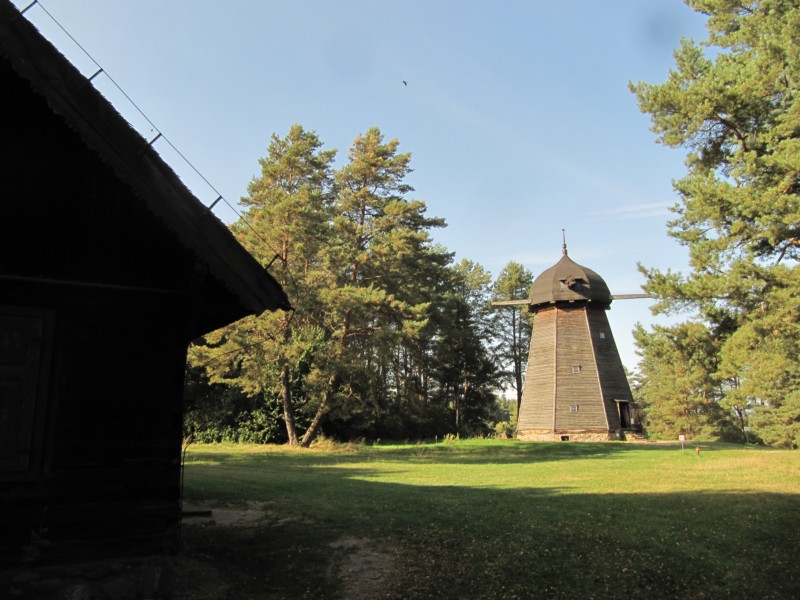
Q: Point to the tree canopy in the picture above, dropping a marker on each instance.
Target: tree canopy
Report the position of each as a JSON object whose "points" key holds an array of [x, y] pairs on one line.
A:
{"points": [[733, 103]]}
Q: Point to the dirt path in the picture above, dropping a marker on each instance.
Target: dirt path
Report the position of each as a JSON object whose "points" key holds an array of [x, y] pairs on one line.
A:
{"points": [[353, 568]]}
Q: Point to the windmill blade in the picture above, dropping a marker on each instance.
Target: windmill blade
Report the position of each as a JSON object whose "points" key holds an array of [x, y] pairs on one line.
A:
{"points": [[501, 303], [507, 303]]}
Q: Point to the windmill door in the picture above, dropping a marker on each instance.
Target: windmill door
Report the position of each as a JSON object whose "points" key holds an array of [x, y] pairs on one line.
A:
{"points": [[624, 409]]}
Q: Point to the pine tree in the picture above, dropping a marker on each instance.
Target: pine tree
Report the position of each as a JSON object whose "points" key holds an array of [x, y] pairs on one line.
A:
{"points": [[677, 385], [286, 224], [514, 327], [380, 243], [466, 374], [733, 103]]}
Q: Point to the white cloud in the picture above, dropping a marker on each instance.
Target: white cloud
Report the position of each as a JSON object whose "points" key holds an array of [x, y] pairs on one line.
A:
{"points": [[636, 211]]}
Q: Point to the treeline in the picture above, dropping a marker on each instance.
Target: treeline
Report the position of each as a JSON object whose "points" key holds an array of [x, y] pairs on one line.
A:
{"points": [[730, 371], [389, 337]]}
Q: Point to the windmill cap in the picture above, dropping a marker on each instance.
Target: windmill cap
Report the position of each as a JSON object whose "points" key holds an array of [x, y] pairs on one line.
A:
{"points": [[567, 281]]}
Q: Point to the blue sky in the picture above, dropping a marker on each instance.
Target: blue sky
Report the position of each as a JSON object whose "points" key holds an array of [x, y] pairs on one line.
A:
{"points": [[517, 113]]}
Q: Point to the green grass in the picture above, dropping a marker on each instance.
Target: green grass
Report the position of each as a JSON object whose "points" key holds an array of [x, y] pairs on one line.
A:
{"points": [[502, 519]]}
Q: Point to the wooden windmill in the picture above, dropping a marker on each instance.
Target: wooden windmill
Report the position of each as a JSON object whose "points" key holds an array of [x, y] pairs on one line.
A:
{"points": [[575, 386]]}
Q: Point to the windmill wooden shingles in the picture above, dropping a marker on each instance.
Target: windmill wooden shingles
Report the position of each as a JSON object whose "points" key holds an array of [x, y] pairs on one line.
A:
{"points": [[575, 386], [109, 266]]}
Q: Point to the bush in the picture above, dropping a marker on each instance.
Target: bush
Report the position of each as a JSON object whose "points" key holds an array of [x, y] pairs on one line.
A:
{"points": [[216, 413]]}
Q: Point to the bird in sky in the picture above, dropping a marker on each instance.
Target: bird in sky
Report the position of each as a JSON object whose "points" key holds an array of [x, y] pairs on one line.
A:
{"points": [[405, 83]]}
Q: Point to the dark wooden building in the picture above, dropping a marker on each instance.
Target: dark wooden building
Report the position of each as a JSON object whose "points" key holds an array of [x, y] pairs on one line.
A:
{"points": [[575, 385], [109, 266]]}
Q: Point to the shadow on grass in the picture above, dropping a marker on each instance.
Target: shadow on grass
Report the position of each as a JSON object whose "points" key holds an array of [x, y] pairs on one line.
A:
{"points": [[456, 542]]}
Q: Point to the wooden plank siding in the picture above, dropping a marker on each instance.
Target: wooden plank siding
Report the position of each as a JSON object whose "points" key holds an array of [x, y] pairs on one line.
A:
{"points": [[575, 377], [536, 410], [581, 389], [611, 371]]}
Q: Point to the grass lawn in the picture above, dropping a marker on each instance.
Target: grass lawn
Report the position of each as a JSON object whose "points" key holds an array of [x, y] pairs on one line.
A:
{"points": [[492, 519]]}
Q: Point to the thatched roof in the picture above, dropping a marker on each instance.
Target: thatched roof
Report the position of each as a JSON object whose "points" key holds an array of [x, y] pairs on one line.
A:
{"points": [[69, 94]]}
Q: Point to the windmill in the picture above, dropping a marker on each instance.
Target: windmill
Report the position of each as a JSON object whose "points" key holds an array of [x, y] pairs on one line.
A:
{"points": [[575, 385]]}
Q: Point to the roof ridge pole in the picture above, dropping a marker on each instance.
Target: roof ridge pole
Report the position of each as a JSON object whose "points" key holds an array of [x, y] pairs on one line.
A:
{"points": [[563, 242], [24, 10]]}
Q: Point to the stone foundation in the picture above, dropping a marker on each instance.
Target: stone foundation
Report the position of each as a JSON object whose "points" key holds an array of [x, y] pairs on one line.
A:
{"points": [[129, 579], [566, 436]]}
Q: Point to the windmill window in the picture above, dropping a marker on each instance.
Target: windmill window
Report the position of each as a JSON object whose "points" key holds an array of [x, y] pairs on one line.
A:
{"points": [[576, 369], [573, 408], [602, 335]]}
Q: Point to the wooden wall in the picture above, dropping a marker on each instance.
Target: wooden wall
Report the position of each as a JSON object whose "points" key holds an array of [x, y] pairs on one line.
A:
{"points": [[76, 246], [579, 401], [574, 374], [538, 396], [609, 365], [105, 474]]}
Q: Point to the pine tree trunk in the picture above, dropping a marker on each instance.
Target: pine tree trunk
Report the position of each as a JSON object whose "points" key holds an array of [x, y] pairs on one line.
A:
{"points": [[742, 425], [288, 409], [313, 429]]}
